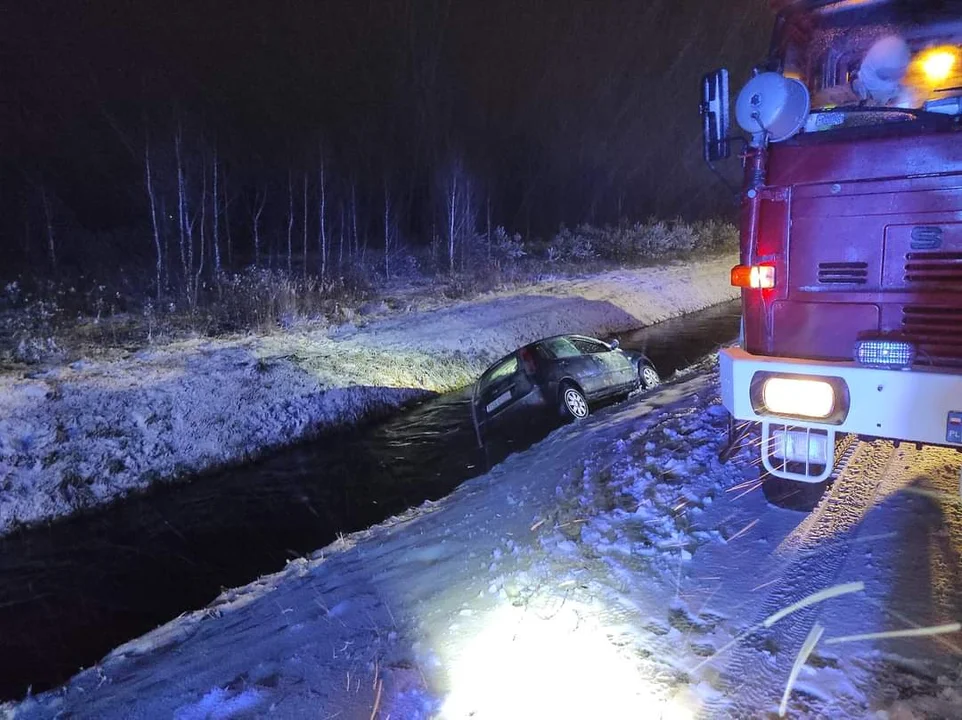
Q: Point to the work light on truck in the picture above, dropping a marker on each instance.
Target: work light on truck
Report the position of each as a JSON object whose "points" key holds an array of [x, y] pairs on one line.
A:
{"points": [[801, 446], [753, 276], [895, 354]]}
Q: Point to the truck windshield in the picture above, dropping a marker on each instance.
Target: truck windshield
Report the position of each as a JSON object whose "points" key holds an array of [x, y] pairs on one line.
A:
{"points": [[868, 62]]}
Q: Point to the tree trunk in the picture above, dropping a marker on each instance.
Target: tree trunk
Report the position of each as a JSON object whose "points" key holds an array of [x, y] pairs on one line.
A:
{"points": [[452, 214], [304, 240], [259, 200], [51, 244], [322, 211], [230, 244], [488, 231], [153, 221], [340, 241], [202, 250], [215, 198], [387, 232], [357, 241], [290, 218], [181, 209]]}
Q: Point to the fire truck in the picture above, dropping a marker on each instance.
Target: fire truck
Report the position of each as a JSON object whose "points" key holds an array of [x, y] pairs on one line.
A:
{"points": [[850, 235]]}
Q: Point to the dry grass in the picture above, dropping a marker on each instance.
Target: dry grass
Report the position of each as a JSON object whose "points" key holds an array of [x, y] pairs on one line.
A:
{"points": [[44, 321]]}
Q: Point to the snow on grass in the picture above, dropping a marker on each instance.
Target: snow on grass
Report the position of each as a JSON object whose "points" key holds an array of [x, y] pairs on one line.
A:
{"points": [[78, 436], [598, 574]]}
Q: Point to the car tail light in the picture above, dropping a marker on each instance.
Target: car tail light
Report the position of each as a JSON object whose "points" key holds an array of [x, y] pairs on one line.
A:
{"points": [[753, 276], [528, 361]]}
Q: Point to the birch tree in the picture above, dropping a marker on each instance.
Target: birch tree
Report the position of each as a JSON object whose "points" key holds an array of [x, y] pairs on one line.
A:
{"points": [[215, 199], [387, 231], [153, 219], [322, 219], [304, 239], [290, 218], [260, 198], [181, 205]]}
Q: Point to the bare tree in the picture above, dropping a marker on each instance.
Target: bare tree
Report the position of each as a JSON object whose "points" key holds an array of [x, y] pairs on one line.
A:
{"points": [[290, 217], [260, 198], [51, 244], [304, 239], [227, 203], [451, 201], [387, 230], [181, 204], [153, 219], [488, 226], [215, 198], [203, 229], [340, 239], [322, 213]]}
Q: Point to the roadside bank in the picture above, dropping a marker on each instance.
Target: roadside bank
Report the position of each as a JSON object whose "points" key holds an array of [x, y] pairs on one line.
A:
{"points": [[80, 435]]}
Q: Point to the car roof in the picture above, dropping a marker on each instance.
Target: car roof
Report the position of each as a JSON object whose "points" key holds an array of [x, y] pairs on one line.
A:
{"points": [[501, 359], [565, 335]]}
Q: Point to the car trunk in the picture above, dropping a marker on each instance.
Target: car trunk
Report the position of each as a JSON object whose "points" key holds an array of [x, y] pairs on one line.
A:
{"points": [[500, 393]]}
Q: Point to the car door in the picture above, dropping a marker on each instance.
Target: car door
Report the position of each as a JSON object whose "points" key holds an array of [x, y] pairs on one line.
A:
{"points": [[570, 361], [614, 368]]}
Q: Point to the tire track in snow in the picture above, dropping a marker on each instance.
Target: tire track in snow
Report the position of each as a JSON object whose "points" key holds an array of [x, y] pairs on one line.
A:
{"points": [[815, 556]]}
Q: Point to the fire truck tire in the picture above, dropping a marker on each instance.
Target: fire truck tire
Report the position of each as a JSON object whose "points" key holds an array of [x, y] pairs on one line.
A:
{"points": [[791, 494]]}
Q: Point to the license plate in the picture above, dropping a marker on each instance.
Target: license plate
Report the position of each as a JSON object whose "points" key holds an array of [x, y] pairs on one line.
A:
{"points": [[502, 399]]}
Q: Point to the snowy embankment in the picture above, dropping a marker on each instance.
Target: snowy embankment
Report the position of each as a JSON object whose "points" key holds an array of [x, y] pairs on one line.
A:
{"points": [[80, 435], [616, 569]]}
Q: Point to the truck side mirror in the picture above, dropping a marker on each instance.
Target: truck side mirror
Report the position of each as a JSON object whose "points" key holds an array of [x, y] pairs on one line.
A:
{"points": [[716, 122]]}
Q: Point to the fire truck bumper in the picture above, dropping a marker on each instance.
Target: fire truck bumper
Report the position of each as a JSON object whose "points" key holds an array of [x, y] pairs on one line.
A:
{"points": [[802, 404]]}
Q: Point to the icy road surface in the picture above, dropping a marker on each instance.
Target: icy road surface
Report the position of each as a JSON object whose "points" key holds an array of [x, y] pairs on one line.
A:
{"points": [[616, 569]]}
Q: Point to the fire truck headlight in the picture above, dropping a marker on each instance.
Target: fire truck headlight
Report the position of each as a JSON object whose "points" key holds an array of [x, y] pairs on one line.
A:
{"points": [[798, 397]]}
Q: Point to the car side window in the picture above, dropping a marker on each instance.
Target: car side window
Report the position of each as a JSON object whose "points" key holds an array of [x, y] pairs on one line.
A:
{"points": [[561, 347], [589, 347], [505, 369]]}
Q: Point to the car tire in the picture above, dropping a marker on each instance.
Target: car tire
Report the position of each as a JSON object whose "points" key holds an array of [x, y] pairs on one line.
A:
{"points": [[792, 494], [648, 376], [572, 402]]}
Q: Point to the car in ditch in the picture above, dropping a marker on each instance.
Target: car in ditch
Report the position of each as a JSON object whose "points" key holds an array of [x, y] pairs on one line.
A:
{"points": [[564, 374]]}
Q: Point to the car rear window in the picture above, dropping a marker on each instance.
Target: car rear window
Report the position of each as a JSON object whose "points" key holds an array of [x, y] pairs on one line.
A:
{"points": [[561, 347], [503, 369]]}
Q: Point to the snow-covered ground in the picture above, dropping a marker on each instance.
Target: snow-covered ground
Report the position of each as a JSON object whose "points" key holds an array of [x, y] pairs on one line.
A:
{"points": [[616, 569], [79, 435]]}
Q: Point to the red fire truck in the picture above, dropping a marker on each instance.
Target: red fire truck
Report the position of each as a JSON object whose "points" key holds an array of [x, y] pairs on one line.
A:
{"points": [[851, 234]]}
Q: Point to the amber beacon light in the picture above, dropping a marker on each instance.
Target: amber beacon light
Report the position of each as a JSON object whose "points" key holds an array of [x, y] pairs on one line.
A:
{"points": [[753, 276]]}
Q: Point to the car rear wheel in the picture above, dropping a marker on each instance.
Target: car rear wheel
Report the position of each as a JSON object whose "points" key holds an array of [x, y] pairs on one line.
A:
{"points": [[574, 406], [648, 376]]}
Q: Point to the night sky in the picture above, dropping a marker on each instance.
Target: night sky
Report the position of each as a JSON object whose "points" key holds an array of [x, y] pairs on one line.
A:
{"points": [[560, 110]]}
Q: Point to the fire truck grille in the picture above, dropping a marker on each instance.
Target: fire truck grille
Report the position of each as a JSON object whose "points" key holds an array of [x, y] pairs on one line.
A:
{"points": [[931, 269], [936, 332], [842, 273]]}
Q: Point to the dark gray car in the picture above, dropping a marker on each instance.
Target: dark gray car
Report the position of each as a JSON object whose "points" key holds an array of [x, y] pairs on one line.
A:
{"points": [[563, 374]]}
